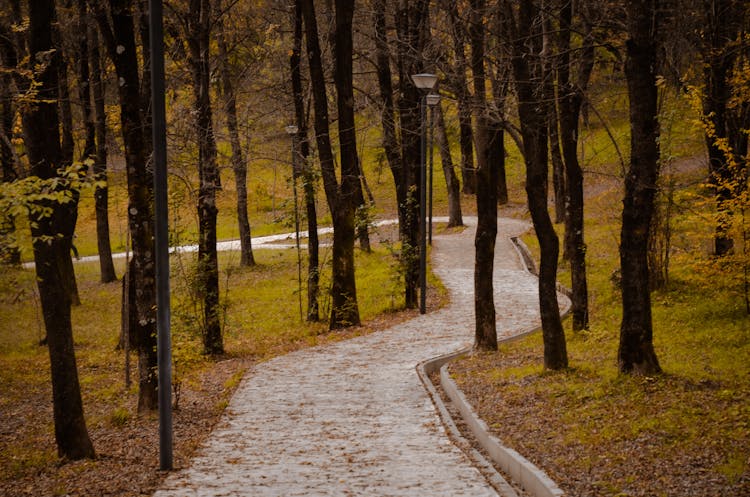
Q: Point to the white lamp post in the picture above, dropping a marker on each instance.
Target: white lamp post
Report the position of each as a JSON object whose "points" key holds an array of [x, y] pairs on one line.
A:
{"points": [[423, 81], [292, 131]]}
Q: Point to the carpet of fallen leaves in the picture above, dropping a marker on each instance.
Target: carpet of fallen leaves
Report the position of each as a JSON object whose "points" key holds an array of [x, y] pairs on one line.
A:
{"points": [[127, 448], [621, 437]]}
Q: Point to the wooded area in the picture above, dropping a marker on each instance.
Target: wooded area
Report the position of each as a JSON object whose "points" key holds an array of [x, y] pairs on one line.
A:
{"points": [[519, 83]]}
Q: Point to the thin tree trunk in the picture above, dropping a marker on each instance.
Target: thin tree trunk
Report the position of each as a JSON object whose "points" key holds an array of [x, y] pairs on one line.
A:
{"points": [[101, 191], [208, 266], [571, 100], [306, 173], [42, 139], [120, 42], [636, 351], [722, 29], [239, 166], [66, 147], [526, 39], [9, 251], [460, 86], [455, 217]]}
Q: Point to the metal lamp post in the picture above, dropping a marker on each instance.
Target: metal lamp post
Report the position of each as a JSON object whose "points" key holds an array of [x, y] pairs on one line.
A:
{"points": [[292, 131], [432, 100], [161, 235], [423, 81]]}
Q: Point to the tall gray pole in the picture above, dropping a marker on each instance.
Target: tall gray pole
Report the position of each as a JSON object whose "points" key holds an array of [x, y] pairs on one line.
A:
{"points": [[422, 211], [161, 235]]}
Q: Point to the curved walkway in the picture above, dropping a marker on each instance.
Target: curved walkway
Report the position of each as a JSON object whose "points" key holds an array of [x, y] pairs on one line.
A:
{"points": [[352, 418]]}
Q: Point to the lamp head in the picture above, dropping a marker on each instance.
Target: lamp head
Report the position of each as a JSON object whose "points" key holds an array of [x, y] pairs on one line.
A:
{"points": [[432, 99], [424, 81], [292, 129]]}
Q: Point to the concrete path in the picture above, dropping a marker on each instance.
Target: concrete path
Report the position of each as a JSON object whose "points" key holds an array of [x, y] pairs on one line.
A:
{"points": [[352, 418]]}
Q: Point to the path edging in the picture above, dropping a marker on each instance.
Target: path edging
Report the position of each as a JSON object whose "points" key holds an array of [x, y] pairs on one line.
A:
{"points": [[523, 472]]}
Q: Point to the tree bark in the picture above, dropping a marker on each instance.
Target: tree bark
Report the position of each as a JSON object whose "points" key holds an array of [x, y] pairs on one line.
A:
{"points": [[526, 45], [239, 166], [120, 41], [636, 351], [486, 191], [52, 235], [305, 171], [66, 145], [9, 251], [344, 311], [463, 97], [344, 308], [455, 217], [722, 28], [199, 30], [410, 18], [570, 102], [101, 190]]}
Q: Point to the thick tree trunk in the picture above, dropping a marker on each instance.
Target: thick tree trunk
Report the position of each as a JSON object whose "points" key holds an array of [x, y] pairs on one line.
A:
{"points": [[636, 351], [305, 171], [409, 22], [199, 23], [239, 166], [455, 217], [120, 41], [52, 235], [527, 69], [486, 190], [101, 191], [570, 102], [344, 308]]}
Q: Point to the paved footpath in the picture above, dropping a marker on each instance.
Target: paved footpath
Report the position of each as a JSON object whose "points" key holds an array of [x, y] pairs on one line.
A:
{"points": [[352, 418]]}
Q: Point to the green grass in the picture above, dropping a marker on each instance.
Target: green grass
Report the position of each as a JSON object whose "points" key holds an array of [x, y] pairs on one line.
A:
{"points": [[597, 432]]}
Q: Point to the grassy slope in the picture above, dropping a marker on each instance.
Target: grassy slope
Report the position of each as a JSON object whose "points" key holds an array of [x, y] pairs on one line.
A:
{"points": [[686, 432]]}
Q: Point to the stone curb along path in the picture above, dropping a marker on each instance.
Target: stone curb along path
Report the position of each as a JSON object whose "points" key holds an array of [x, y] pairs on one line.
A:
{"points": [[353, 418]]}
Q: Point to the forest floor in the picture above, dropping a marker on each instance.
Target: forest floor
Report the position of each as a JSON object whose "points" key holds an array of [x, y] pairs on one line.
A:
{"points": [[598, 433]]}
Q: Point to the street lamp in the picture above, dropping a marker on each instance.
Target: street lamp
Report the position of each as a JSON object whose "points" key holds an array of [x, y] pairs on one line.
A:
{"points": [[292, 131], [432, 100], [423, 81]]}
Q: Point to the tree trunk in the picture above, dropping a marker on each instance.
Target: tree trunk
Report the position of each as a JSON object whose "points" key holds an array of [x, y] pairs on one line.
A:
{"points": [[306, 173], [455, 217], [66, 147], [101, 191], [199, 23], [9, 251], [486, 191], [409, 21], [558, 168], [239, 166], [527, 70], [458, 83], [722, 29], [636, 351], [120, 42], [571, 99], [344, 308], [52, 234]]}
